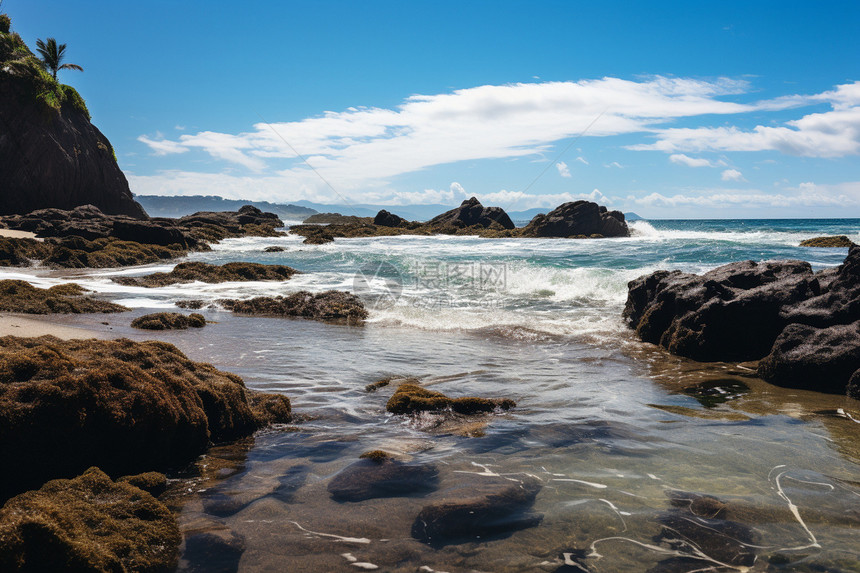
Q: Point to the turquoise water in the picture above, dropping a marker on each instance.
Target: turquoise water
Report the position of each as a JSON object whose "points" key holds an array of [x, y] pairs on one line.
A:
{"points": [[608, 425]]}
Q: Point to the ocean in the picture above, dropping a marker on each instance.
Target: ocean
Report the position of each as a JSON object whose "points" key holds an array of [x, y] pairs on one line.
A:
{"points": [[610, 427]]}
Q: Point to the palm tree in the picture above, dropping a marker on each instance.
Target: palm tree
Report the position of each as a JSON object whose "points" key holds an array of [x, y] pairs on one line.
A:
{"points": [[52, 56]]}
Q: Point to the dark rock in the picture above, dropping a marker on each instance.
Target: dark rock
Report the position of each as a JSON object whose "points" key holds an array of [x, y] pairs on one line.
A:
{"points": [[168, 321], [853, 389], [485, 507], [733, 312], [820, 359], [579, 218], [371, 478], [16, 252], [838, 242], [50, 153], [122, 405], [386, 219], [149, 233], [327, 306], [698, 524], [216, 551], [336, 219], [839, 300], [88, 523], [470, 213], [274, 249], [208, 273], [410, 398]]}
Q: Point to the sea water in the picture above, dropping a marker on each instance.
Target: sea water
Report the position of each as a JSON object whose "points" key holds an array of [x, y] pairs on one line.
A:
{"points": [[610, 427]]}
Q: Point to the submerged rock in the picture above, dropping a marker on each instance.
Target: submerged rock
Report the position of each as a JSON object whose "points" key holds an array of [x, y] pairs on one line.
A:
{"points": [[330, 305], [215, 551], [699, 525], [209, 273], [274, 249], [410, 398], [378, 474], [838, 242], [168, 321], [122, 405], [88, 523], [471, 213], [484, 507], [578, 218], [21, 296]]}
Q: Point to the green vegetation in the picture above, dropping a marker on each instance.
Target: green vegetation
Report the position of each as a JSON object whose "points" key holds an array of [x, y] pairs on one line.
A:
{"points": [[53, 55], [37, 78]]}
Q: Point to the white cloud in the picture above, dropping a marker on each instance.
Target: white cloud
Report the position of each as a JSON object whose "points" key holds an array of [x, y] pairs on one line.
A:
{"points": [[563, 170], [732, 175], [582, 160], [682, 159], [363, 146], [614, 164], [804, 195], [834, 133]]}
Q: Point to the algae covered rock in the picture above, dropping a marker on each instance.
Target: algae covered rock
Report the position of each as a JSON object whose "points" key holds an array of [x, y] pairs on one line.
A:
{"points": [[410, 398], [209, 273], [89, 523], [122, 405], [168, 321], [833, 242], [330, 305], [153, 483], [21, 296]]}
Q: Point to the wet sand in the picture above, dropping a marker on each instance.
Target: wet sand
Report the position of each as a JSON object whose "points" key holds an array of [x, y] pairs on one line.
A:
{"points": [[18, 325]]}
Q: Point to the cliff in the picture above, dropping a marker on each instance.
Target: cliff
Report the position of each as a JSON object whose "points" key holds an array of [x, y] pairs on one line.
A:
{"points": [[51, 155]]}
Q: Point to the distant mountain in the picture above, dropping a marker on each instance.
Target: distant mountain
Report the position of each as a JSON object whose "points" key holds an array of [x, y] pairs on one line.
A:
{"points": [[411, 212], [633, 217], [162, 206]]}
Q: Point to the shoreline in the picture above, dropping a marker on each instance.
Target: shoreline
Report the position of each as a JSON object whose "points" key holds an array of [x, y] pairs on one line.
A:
{"points": [[26, 326]]}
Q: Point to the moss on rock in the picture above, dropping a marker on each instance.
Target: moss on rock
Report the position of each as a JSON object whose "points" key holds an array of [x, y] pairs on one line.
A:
{"points": [[21, 296], [88, 523], [208, 273], [835, 242], [124, 406], [168, 321], [153, 483], [410, 398], [336, 306]]}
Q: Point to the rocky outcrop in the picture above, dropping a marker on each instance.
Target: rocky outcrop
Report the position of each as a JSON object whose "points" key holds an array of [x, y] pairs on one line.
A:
{"points": [[386, 219], [471, 213], [730, 313], [578, 219], [51, 155], [834, 242], [335, 219], [209, 273], [330, 306], [89, 523], [121, 405], [804, 327]]}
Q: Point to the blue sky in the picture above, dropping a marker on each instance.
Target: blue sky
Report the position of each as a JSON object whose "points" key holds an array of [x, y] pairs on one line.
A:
{"points": [[669, 109]]}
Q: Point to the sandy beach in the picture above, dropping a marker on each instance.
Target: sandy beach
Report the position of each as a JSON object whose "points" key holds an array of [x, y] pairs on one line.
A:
{"points": [[17, 234], [17, 325]]}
